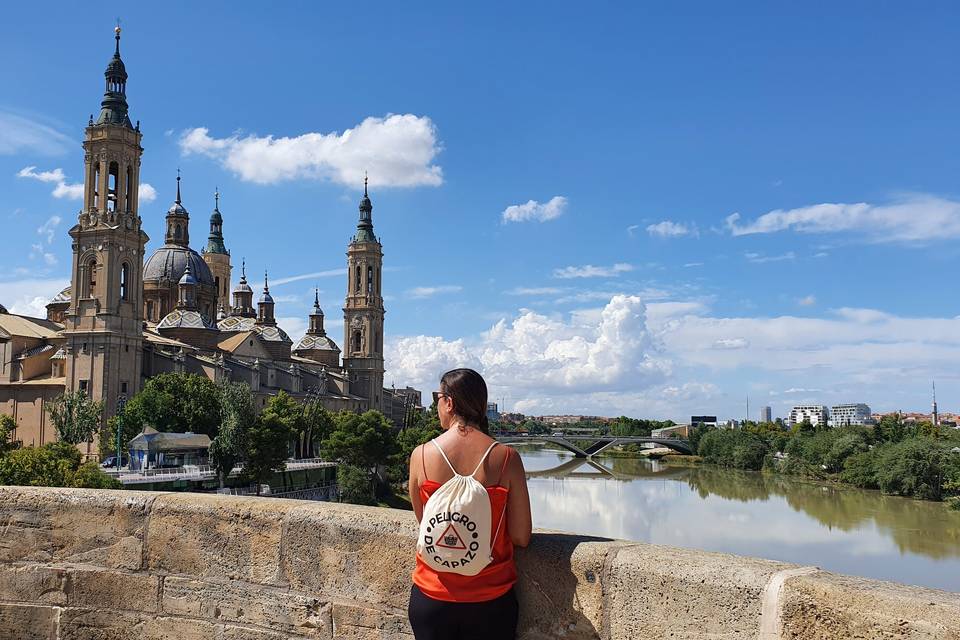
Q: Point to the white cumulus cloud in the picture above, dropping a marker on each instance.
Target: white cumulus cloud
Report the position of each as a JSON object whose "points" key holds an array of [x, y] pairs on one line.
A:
{"points": [[911, 218], [63, 189], [533, 210], [591, 271], [396, 151], [146, 192]]}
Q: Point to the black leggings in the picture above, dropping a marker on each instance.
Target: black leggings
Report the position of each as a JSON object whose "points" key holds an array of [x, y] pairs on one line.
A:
{"points": [[439, 620]]}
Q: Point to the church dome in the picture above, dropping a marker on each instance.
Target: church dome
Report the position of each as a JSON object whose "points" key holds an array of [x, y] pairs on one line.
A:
{"points": [[185, 319], [169, 263], [63, 296], [316, 343]]}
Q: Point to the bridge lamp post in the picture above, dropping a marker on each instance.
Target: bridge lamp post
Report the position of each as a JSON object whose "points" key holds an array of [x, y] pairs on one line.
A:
{"points": [[121, 405]]}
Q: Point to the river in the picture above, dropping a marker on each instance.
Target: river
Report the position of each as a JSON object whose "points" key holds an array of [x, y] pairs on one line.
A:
{"points": [[839, 529]]}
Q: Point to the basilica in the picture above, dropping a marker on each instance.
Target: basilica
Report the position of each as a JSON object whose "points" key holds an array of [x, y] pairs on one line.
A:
{"points": [[127, 316]]}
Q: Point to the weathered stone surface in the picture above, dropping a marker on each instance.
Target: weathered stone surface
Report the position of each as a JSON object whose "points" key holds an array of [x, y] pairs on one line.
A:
{"points": [[825, 606], [103, 528], [561, 583], [231, 601], [100, 589], [680, 593], [38, 585], [118, 565], [350, 552], [217, 536], [361, 623], [28, 622]]}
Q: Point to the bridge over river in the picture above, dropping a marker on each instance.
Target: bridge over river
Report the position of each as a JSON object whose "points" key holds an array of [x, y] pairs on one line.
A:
{"points": [[596, 444]]}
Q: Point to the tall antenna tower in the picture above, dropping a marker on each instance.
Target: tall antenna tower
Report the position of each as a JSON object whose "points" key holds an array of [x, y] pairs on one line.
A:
{"points": [[935, 416]]}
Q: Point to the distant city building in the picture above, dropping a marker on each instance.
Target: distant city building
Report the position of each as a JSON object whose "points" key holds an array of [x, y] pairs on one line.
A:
{"points": [[710, 421], [766, 414], [568, 419], [815, 414], [512, 418], [676, 431], [850, 414], [493, 412]]}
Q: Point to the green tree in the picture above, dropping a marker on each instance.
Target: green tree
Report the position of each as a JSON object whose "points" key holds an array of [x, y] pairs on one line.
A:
{"points": [[267, 445], [363, 441], [353, 483], [843, 447], [7, 426], [55, 464], [733, 448], [917, 468], [237, 413], [316, 425], [177, 402], [75, 417]]}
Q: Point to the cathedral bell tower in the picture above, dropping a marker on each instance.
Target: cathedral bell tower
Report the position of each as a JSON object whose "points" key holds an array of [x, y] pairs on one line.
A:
{"points": [[363, 312], [103, 324], [217, 257]]}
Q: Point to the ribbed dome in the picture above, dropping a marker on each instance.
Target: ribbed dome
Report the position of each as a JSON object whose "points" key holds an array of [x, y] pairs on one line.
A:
{"points": [[63, 296], [169, 263], [185, 319], [316, 343]]}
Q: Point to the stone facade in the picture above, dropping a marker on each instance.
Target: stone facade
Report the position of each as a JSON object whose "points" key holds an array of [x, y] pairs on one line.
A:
{"points": [[128, 564]]}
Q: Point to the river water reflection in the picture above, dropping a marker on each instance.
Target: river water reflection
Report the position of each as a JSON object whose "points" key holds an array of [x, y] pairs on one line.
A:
{"points": [[839, 529]]}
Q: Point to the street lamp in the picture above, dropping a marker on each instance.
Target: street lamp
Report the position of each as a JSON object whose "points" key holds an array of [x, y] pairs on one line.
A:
{"points": [[121, 405]]}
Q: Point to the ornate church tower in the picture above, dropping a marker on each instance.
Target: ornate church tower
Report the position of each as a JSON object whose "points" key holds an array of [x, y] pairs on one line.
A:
{"points": [[363, 312], [217, 257], [103, 324]]}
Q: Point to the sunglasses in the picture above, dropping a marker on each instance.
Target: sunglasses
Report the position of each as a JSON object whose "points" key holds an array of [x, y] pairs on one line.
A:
{"points": [[437, 395]]}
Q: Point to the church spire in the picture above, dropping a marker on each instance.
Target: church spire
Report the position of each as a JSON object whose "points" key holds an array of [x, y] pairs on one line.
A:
{"points": [[365, 225], [178, 221], [215, 239], [316, 317], [113, 108], [265, 305]]}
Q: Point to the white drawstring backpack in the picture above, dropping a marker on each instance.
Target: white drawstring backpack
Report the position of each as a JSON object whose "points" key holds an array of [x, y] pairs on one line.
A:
{"points": [[455, 528]]}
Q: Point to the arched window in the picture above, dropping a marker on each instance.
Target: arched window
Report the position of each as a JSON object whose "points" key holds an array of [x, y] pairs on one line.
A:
{"points": [[177, 232], [356, 287], [96, 185], [218, 283], [357, 340], [378, 281], [124, 281], [127, 188], [370, 280], [113, 186], [91, 278]]}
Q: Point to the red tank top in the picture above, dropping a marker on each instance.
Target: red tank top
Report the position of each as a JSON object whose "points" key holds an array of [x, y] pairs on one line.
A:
{"points": [[495, 579]]}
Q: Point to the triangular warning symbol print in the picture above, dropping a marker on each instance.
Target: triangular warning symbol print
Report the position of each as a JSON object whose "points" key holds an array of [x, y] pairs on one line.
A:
{"points": [[451, 539]]}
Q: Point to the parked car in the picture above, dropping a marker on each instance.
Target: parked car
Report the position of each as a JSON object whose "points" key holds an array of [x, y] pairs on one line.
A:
{"points": [[110, 462]]}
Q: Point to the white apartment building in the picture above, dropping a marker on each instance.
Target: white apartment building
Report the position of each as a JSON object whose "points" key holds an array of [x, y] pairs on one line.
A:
{"points": [[847, 414], [815, 414]]}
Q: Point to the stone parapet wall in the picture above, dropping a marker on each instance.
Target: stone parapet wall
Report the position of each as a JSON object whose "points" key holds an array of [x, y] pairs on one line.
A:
{"points": [[106, 565]]}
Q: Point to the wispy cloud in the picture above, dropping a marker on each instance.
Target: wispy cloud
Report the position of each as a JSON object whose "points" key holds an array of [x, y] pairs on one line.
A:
{"points": [[591, 271], [418, 293], [759, 258], [632, 230], [693, 264], [671, 229], [807, 301], [48, 228], [912, 218], [533, 210], [308, 276], [396, 150], [534, 291], [19, 134]]}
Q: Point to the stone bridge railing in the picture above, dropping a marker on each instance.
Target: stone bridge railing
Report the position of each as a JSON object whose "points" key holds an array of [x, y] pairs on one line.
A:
{"points": [[84, 564]]}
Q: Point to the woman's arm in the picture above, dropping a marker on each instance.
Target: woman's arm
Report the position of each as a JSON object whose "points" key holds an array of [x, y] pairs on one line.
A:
{"points": [[519, 520], [413, 484]]}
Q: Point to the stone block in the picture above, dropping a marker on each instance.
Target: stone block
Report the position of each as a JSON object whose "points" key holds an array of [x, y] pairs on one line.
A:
{"points": [[217, 536], [825, 606], [683, 594], [560, 585], [92, 526], [99, 589], [230, 632], [245, 603], [99, 624], [37, 585], [28, 622], [349, 552]]}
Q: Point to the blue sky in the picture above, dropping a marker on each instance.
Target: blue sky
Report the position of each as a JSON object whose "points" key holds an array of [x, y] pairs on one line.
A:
{"points": [[614, 208]]}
